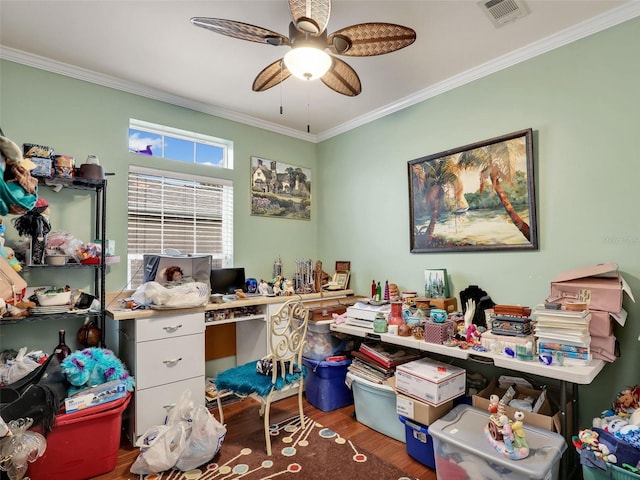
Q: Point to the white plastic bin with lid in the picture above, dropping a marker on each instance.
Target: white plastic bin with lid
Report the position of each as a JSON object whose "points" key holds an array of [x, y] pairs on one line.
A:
{"points": [[461, 450]]}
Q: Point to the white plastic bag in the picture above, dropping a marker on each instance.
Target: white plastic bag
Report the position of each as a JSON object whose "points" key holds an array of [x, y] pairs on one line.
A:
{"points": [[192, 294], [204, 440], [160, 448], [14, 370]]}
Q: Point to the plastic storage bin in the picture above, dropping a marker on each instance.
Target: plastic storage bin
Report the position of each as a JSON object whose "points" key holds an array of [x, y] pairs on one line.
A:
{"points": [[613, 472], [321, 343], [82, 444], [324, 384], [419, 442], [376, 407], [461, 450]]}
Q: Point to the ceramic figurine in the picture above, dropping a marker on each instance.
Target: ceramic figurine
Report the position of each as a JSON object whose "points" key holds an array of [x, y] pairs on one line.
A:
{"points": [[505, 436]]}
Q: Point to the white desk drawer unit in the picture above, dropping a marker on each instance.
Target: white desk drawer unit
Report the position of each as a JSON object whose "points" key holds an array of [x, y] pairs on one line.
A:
{"points": [[171, 360], [165, 354]]}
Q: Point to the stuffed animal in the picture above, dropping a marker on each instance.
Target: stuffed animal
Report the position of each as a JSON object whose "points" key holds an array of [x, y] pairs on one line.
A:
{"points": [[94, 366]]}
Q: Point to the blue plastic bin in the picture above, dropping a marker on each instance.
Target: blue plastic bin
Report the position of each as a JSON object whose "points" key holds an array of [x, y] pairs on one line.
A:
{"points": [[324, 384], [419, 442]]}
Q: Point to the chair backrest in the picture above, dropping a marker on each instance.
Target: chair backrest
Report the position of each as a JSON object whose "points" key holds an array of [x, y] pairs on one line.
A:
{"points": [[287, 336]]}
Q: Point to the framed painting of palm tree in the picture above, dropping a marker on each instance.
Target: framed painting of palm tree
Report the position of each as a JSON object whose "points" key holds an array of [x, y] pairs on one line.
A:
{"points": [[477, 197]]}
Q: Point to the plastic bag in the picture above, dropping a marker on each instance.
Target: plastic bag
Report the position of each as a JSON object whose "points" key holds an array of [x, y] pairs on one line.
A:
{"points": [[20, 448], [14, 370], [203, 441], [160, 448], [191, 294]]}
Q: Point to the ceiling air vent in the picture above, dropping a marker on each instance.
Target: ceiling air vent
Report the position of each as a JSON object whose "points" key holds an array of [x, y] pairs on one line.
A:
{"points": [[504, 11]]}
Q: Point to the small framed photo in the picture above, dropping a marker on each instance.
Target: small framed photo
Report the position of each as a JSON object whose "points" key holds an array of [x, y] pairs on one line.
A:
{"points": [[436, 283], [341, 279]]}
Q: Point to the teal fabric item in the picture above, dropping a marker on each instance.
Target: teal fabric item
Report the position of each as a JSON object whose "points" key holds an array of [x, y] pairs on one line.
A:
{"points": [[245, 380], [11, 193]]}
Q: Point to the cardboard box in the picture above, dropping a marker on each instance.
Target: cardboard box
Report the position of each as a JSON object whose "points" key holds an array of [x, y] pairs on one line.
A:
{"points": [[447, 304], [430, 381], [416, 410], [600, 286], [544, 418], [104, 393]]}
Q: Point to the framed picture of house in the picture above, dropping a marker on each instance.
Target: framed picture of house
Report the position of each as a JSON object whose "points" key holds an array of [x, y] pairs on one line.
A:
{"points": [[477, 197], [280, 190]]}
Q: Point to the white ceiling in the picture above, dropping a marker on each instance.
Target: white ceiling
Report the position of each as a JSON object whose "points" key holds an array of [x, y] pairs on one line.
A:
{"points": [[149, 47]]}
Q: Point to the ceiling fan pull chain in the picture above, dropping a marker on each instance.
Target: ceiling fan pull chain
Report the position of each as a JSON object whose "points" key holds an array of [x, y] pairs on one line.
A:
{"points": [[308, 115], [280, 88]]}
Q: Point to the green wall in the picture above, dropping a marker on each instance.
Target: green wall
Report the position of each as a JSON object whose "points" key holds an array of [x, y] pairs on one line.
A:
{"points": [[581, 100]]}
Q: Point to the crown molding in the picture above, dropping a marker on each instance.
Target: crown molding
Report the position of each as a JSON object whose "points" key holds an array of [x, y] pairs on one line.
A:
{"points": [[67, 70], [597, 24]]}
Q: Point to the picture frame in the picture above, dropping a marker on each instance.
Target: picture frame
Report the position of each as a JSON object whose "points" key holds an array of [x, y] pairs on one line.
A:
{"points": [[280, 190], [341, 280], [475, 198], [436, 283]]}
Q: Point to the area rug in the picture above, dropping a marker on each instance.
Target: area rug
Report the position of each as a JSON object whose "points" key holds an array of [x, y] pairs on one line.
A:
{"points": [[310, 453]]}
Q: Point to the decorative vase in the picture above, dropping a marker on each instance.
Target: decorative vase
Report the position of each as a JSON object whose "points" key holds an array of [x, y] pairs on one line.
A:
{"points": [[395, 317]]}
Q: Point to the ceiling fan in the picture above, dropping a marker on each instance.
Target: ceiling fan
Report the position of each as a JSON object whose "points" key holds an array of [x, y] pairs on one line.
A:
{"points": [[308, 40]]}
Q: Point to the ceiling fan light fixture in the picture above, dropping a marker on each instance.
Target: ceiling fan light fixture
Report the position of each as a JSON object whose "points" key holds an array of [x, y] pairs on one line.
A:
{"points": [[307, 63]]}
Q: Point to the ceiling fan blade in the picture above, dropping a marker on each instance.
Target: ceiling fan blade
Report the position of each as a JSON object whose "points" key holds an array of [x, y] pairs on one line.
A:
{"points": [[368, 39], [243, 31], [271, 76], [342, 78], [310, 16]]}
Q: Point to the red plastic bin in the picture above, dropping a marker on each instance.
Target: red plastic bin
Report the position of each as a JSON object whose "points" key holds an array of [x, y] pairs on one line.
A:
{"points": [[82, 444]]}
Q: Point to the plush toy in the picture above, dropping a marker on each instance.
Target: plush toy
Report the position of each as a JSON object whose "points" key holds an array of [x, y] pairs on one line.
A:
{"points": [[19, 189], [7, 252], [628, 400], [94, 366]]}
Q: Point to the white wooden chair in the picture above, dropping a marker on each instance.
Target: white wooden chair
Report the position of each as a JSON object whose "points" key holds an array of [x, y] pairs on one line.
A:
{"points": [[287, 336]]}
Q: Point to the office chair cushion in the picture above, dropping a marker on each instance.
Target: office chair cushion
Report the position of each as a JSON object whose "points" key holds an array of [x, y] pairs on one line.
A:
{"points": [[245, 380]]}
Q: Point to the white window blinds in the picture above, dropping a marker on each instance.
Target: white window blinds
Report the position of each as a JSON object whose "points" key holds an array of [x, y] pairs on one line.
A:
{"points": [[168, 210]]}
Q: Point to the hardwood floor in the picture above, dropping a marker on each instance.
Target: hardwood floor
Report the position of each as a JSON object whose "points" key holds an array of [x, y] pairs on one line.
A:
{"points": [[341, 420]]}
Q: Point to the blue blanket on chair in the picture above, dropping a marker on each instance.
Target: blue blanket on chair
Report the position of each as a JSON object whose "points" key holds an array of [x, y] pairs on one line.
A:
{"points": [[245, 380]]}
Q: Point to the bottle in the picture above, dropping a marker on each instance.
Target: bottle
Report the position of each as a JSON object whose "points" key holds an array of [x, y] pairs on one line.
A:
{"points": [[62, 350], [373, 289], [386, 290], [378, 292]]}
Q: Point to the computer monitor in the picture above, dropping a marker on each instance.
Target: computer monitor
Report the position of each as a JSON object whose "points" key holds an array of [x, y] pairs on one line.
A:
{"points": [[228, 280]]}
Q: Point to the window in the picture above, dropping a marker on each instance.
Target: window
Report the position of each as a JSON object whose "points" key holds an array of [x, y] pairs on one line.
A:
{"points": [[173, 144], [168, 210]]}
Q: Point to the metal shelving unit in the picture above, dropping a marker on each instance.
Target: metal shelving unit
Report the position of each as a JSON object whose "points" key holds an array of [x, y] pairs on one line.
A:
{"points": [[99, 188]]}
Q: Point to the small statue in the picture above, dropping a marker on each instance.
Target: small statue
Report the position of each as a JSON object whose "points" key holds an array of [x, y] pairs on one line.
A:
{"points": [[519, 440], [394, 293], [264, 288], [278, 285], [289, 290], [320, 277], [507, 437], [493, 404], [507, 433]]}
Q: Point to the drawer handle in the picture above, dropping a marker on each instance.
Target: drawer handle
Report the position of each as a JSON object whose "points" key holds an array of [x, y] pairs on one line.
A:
{"points": [[171, 363], [172, 328], [169, 406]]}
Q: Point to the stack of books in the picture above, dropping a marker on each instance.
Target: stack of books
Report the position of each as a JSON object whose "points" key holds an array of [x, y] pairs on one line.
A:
{"points": [[563, 333], [377, 362]]}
